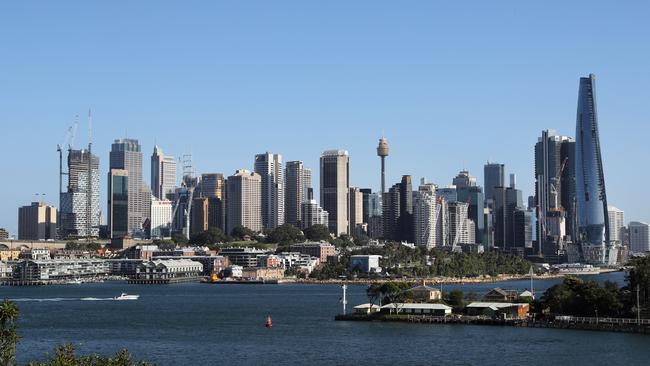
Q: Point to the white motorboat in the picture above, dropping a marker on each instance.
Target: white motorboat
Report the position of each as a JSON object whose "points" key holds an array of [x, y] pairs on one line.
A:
{"points": [[124, 296]]}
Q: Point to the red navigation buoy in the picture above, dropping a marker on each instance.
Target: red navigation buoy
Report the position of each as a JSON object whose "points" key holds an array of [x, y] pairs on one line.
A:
{"points": [[269, 322]]}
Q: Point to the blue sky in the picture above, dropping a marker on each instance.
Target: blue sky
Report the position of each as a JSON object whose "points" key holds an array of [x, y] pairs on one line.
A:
{"points": [[451, 83]]}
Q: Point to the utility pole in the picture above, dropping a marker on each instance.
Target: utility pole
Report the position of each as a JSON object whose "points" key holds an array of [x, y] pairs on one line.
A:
{"points": [[638, 305]]}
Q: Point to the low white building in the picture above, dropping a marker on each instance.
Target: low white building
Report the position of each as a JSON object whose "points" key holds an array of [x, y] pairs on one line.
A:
{"points": [[161, 217], [366, 309], [304, 262], [365, 263], [421, 309], [168, 269]]}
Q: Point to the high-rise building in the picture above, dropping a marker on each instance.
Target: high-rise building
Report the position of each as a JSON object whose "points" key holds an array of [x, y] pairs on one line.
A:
{"points": [[4, 234], [161, 218], [37, 222], [467, 191], [616, 219], [506, 202], [334, 189], [524, 227], [244, 200], [460, 228], [591, 196], [554, 190], [126, 154], [356, 211], [80, 209], [118, 203], [269, 167], [425, 216], [494, 176], [163, 174], [213, 185], [312, 214], [639, 237], [200, 215], [298, 189], [397, 207]]}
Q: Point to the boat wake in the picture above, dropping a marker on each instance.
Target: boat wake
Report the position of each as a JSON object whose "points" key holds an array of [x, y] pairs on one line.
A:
{"points": [[59, 299]]}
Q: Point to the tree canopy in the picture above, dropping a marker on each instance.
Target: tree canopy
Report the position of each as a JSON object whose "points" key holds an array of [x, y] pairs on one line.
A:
{"points": [[211, 236], [317, 233], [285, 234], [240, 232]]}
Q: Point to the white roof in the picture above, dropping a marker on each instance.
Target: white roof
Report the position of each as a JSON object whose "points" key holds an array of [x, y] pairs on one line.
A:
{"points": [[367, 306], [526, 294], [417, 306]]}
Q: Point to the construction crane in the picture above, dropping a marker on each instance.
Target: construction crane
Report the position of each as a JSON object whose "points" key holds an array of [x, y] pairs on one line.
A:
{"points": [[556, 205], [189, 183]]}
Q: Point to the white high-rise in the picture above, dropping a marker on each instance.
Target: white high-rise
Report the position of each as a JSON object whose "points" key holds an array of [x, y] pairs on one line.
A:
{"points": [[163, 174], [161, 217], [312, 214], [639, 237], [269, 167], [616, 223], [425, 216]]}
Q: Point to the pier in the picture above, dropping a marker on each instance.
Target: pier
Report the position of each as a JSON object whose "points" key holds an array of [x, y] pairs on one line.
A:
{"points": [[620, 325]]}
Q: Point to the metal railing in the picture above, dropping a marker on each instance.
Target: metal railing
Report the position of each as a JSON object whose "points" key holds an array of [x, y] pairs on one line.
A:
{"points": [[595, 320]]}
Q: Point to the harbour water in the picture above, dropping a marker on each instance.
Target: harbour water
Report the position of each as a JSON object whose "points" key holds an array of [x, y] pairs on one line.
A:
{"points": [[196, 324]]}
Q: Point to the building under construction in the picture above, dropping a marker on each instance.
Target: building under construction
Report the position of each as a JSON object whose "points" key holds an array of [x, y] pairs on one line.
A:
{"points": [[79, 211]]}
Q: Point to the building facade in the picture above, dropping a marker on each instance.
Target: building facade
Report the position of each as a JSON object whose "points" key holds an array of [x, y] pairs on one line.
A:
{"points": [[161, 218], [616, 219], [118, 203], [313, 214], [639, 237], [334, 189], [269, 167], [163, 174], [425, 216], [126, 154], [37, 222], [244, 203], [80, 208], [298, 189], [591, 196]]}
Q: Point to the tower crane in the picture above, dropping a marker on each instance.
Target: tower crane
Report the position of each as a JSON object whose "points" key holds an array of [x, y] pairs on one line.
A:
{"points": [[556, 205]]}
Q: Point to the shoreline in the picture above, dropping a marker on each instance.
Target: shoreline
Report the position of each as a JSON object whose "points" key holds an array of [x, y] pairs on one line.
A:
{"points": [[439, 280]]}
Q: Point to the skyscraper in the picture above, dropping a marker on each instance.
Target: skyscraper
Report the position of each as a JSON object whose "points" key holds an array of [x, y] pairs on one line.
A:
{"points": [[163, 174], [554, 190], [118, 203], [639, 237], [494, 176], [79, 212], [425, 216], [244, 200], [126, 154], [312, 214], [334, 188], [298, 189], [469, 192], [591, 196], [213, 188], [269, 167], [356, 210]]}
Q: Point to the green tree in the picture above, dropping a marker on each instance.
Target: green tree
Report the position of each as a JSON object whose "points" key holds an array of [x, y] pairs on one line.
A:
{"points": [[317, 233], [8, 333], [456, 299], [240, 232], [179, 239], [211, 236], [285, 234]]}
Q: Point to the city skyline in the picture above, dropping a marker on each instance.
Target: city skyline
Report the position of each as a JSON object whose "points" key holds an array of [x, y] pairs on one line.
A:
{"points": [[416, 96]]}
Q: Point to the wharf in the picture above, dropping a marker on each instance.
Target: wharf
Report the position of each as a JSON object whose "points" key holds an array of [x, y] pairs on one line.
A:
{"points": [[243, 282], [619, 325], [162, 281]]}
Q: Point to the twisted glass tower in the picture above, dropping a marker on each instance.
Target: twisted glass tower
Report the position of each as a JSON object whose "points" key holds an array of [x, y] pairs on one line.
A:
{"points": [[591, 199]]}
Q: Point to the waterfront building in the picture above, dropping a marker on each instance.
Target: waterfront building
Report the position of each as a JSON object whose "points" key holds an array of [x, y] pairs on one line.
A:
{"points": [[616, 219], [318, 250], [59, 270], [262, 274], [424, 293], [501, 310], [7, 254], [80, 209], [334, 189], [169, 270], [298, 189], [269, 167], [161, 218], [419, 309], [312, 214], [37, 222], [639, 237], [365, 263], [303, 262], [126, 155], [244, 201], [425, 216], [245, 257], [591, 196], [163, 174]]}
